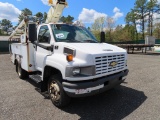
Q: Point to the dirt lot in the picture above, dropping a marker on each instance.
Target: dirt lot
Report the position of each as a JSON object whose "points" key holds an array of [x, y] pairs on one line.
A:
{"points": [[136, 99]]}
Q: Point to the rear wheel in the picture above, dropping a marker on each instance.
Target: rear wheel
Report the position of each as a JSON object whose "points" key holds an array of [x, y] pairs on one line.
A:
{"points": [[57, 95], [20, 71]]}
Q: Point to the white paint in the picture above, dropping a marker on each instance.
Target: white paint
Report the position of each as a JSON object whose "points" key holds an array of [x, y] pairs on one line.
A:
{"points": [[25, 55]]}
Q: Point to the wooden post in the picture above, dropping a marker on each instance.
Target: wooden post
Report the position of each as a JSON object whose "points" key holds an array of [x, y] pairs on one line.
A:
{"points": [[132, 49], [128, 49], [145, 49]]}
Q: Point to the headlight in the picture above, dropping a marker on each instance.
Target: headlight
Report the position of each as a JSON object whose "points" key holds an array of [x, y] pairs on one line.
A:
{"points": [[80, 71], [76, 71]]}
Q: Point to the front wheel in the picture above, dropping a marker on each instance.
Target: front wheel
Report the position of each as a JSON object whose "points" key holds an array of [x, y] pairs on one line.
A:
{"points": [[21, 73], [57, 95]]}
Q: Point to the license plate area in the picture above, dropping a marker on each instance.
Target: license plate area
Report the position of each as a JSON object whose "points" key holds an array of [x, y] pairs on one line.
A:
{"points": [[88, 90], [82, 91]]}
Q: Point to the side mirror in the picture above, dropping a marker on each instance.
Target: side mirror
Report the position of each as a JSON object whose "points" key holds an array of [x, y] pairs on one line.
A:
{"points": [[52, 48], [102, 37], [32, 31]]}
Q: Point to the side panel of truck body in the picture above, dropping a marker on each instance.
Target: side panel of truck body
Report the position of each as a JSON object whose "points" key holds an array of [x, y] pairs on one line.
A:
{"points": [[24, 54]]}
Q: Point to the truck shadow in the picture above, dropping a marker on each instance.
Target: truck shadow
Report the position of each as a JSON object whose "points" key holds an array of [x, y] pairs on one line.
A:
{"points": [[37, 88], [115, 104]]}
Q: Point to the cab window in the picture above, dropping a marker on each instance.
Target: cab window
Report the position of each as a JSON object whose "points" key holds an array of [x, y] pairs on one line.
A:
{"points": [[44, 35]]}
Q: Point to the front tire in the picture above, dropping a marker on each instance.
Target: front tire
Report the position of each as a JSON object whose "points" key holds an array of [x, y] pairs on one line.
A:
{"points": [[21, 72], [57, 95]]}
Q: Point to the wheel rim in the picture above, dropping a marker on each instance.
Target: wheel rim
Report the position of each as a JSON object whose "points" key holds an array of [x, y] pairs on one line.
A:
{"points": [[54, 91], [19, 69]]}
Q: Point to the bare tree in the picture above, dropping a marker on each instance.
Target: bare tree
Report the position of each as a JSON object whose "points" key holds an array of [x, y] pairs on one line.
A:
{"points": [[99, 24], [110, 24]]}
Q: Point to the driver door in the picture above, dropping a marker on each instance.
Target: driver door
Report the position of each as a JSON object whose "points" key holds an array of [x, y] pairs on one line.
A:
{"points": [[43, 47]]}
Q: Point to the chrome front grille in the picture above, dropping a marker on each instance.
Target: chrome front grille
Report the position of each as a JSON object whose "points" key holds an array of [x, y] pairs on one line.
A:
{"points": [[108, 64]]}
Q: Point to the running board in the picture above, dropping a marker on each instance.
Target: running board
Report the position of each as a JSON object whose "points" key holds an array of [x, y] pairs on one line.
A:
{"points": [[36, 78]]}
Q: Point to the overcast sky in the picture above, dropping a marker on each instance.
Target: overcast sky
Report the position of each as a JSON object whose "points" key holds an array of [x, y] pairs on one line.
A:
{"points": [[85, 10]]}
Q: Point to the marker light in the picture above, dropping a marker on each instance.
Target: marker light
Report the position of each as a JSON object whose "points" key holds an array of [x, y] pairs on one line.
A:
{"points": [[69, 58]]}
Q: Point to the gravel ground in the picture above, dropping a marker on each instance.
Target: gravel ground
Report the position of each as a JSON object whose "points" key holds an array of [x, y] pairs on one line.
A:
{"points": [[136, 99]]}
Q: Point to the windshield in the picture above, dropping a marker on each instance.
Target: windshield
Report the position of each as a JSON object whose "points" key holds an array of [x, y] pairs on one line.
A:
{"points": [[71, 33]]}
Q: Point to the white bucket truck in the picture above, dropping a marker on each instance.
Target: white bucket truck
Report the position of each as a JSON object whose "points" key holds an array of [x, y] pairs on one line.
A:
{"points": [[66, 59]]}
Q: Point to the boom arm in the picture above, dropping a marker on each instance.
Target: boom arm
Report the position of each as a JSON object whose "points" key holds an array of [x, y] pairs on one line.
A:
{"points": [[56, 10]]}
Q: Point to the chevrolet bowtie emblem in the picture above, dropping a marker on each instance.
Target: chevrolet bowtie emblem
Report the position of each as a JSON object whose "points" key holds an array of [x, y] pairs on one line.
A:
{"points": [[113, 64]]}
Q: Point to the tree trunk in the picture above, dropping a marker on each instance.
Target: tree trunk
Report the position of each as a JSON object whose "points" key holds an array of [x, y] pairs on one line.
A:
{"points": [[152, 23], [142, 23]]}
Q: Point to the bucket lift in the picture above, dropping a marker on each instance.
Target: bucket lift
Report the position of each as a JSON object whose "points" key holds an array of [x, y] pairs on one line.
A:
{"points": [[56, 10]]}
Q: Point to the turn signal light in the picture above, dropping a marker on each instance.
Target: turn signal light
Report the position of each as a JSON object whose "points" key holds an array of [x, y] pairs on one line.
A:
{"points": [[69, 58]]}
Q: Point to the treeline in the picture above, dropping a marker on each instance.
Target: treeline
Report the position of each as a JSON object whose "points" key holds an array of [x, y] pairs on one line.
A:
{"points": [[140, 21], [4, 26]]}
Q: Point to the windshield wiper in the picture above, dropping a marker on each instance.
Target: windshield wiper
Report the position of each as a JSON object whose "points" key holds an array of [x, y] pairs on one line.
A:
{"points": [[90, 41], [72, 40]]}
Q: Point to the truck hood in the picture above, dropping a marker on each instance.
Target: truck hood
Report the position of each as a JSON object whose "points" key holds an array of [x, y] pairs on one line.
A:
{"points": [[94, 48]]}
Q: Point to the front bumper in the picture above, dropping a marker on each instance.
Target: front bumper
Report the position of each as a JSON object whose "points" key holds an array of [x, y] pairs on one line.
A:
{"points": [[94, 86]]}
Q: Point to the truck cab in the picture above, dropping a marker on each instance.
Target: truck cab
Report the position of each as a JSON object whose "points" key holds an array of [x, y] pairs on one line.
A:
{"points": [[56, 42]]}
